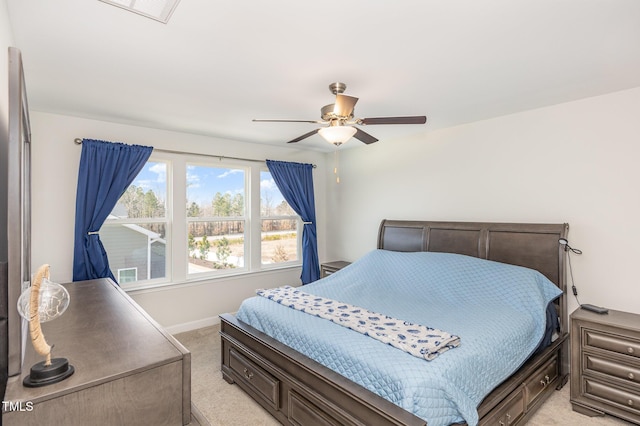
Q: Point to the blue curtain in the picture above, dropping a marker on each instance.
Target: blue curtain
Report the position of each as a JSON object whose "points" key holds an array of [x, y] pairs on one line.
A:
{"points": [[295, 182], [106, 170]]}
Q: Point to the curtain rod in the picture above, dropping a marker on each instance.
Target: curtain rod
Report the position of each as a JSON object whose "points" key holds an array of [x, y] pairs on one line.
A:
{"points": [[78, 141]]}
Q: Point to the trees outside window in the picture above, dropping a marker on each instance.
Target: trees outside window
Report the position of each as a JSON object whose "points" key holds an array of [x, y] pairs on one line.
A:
{"points": [[199, 213], [279, 234]]}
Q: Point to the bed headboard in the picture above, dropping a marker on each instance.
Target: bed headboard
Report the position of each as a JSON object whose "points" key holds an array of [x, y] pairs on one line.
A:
{"points": [[531, 245]]}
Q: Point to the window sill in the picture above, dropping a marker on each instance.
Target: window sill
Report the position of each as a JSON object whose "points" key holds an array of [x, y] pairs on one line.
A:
{"points": [[152, 287]]}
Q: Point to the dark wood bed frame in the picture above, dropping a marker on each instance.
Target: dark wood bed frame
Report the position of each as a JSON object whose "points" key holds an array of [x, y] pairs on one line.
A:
{"points": [[297, 390]]}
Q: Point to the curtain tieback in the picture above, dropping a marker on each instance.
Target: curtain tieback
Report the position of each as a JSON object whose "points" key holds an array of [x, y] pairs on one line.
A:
{"points": [[307, 223], [93, 233]]}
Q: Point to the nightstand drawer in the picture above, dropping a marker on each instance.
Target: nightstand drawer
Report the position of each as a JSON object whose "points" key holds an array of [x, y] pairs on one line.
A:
{"points": [[619, 397], [612, 343], [613, 368]]}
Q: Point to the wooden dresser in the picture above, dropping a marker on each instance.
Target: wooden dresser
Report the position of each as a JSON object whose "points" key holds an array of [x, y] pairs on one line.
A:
{"points": [[128, 370], [605, 364]]}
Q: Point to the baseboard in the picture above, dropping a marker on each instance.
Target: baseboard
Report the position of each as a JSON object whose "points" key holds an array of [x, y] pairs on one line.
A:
{"points": [[197, 418], [192, 325]]}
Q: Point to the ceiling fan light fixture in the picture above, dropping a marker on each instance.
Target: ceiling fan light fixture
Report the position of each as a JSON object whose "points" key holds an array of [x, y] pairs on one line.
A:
{"points": [[337, 135], [338, 118]]}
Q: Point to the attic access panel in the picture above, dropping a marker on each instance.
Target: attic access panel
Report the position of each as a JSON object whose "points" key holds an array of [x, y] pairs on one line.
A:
{"points": [[160, 10]]}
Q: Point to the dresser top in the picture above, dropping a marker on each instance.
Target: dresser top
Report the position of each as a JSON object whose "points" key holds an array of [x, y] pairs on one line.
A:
{"points": [[104, 334]]}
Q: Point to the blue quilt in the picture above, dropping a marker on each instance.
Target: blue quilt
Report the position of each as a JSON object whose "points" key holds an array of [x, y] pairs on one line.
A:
{"points": [[497, 310]]}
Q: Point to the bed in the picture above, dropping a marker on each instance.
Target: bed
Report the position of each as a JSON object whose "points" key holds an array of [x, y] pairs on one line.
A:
{"points": [[304, 386]]}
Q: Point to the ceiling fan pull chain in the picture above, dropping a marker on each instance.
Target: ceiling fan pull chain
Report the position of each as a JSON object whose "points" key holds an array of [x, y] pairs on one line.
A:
{"points": [[336, 161]]}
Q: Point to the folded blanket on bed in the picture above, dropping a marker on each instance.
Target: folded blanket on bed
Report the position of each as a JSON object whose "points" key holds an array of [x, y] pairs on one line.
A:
{"points": [[415, 339]]}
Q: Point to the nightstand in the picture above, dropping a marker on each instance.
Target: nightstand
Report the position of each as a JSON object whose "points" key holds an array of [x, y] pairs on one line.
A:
{"points": [[605, 364], [329, 268]]}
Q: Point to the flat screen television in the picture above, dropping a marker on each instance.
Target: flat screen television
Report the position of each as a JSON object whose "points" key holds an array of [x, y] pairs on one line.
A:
{"points": [[15, 217]]}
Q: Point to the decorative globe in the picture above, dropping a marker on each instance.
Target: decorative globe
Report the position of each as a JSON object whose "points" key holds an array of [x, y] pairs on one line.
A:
{"points": [[53, 301]]}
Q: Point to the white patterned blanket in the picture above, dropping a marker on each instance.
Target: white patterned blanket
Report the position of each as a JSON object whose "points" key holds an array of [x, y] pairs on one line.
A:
{"points": [[417, 340]]}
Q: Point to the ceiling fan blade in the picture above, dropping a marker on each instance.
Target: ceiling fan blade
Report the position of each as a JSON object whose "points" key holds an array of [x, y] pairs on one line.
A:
{"points": [[364, 137], [306, 135], [287, 121], [418, 119], [344, 105]]}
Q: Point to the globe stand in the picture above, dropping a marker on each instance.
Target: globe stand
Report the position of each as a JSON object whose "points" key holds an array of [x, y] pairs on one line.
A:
{"points": [[42, 375], [42, 302]]}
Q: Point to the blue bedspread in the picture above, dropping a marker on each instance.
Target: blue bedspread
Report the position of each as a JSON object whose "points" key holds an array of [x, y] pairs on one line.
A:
{"points": [[498, 310]]}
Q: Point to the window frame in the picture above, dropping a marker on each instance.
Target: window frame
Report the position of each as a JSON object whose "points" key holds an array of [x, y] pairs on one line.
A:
{"points": [[177, 222], [299, 229], [166, 221], [217, 164]]}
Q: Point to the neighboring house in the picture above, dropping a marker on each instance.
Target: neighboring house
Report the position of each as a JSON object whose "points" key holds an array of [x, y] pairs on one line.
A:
{"points": [[135, 253]]}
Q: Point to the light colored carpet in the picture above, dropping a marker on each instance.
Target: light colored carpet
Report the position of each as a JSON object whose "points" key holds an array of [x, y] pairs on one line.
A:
{"points": [[227, 405]]}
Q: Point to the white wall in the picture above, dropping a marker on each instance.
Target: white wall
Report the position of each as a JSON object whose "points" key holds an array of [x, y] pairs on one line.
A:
{"points": [[55, 172], [575, 162]]}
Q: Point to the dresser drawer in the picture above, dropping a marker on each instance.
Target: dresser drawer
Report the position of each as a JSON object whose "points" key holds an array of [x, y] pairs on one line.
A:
{"points": [[621, 398], [613, 368], [611, 342], [545, 377], [255, 377]]}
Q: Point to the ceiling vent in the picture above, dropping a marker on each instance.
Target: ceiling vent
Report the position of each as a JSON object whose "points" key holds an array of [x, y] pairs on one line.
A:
{"points": [[160, 10]]}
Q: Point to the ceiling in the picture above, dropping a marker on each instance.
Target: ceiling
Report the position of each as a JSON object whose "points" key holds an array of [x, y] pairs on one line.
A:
{"points": [[217, 65]]}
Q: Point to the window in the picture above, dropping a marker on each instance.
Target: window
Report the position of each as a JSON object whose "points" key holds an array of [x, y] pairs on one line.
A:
{"points": [[127, 275], [279, 225], [216, 218], [134, 234], [213, 217]]}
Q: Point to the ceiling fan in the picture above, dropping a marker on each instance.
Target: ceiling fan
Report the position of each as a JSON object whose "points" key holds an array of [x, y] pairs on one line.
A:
{"points": [[338, 120]]}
